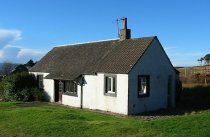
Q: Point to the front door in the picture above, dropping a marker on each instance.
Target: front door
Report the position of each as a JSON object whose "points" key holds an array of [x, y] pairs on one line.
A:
{"points": [[59, 86]]}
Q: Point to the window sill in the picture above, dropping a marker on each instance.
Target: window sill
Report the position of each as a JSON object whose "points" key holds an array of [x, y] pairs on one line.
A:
{"points": [[143, 95], [110, 94], [70, 94]]}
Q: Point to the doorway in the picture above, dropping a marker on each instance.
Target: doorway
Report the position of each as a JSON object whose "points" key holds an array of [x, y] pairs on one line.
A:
{"points": [[169, 93], [59, 87]]}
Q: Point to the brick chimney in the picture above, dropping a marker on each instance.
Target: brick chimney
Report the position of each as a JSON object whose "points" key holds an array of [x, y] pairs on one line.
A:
{"points": [[125, 33]]}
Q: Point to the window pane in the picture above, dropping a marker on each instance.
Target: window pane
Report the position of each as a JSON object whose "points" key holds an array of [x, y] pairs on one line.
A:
{"points": [[113, 84], [67, 86], [40, 81], [143, 79], [75, 88], [143, 88], [142, 84], [109, 84], [70, 87]]}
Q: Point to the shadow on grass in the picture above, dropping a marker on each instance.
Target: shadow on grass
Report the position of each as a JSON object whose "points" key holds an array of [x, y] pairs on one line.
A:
{"points": [[192, 100]]}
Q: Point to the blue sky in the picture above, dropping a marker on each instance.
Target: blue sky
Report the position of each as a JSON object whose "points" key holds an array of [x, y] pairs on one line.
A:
{"points": [[30, 28]]}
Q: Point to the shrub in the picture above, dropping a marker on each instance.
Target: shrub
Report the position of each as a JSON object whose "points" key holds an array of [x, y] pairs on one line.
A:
{"points": [[1, 89], [37, 94], [25, 95], [21, 87]]}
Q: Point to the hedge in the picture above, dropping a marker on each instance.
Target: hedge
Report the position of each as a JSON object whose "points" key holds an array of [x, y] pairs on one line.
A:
{"points": [[21, 87]]}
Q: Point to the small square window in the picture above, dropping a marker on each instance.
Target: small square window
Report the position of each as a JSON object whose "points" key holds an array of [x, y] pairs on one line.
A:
{"points": [[143, 85], [110, 85], [70, 88]]}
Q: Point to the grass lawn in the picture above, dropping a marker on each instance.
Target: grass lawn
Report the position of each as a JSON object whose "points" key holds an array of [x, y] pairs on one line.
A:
{"points": [[43, 119]]}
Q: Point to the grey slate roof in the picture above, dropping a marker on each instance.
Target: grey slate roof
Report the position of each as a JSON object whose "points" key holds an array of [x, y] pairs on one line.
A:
{"points": [[114, 56]]}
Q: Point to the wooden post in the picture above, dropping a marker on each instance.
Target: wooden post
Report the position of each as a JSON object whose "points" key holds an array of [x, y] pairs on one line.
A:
{"points": [[205, 75]]}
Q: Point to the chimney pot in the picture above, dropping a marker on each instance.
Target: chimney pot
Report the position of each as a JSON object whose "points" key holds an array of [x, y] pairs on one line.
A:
{"points": [[125, 23], [125, 33]]}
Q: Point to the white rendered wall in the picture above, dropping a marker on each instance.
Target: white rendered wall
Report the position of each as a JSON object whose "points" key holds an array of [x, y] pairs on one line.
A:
{"points": [[155, 64], [94, 97], [93, 93], [48, 86], [74, 101]]}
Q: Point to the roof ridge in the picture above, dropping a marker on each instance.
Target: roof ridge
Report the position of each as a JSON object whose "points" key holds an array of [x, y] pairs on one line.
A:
{"points": [[97, 41], [144, 37], [89, 42]]}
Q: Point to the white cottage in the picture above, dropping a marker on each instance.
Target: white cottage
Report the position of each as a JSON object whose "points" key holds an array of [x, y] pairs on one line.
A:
{"points": [[126, 76]]}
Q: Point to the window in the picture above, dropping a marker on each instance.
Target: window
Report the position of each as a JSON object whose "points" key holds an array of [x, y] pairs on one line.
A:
{"points": [[110, 85], [143, 85], [40, 81], [70, 88]]}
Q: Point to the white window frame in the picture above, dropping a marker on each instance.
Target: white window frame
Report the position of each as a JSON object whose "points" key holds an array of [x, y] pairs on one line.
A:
{"points": [[110, 88], [143, 85]]}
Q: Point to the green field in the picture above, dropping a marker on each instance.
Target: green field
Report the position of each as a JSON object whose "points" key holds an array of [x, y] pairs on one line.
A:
{"points": [[43, 119]]}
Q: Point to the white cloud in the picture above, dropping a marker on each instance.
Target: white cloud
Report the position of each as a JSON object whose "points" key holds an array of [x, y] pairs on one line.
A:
{"points": [[29, 52], [8, 37], [19, 55], [26, 54], [10, 52]]}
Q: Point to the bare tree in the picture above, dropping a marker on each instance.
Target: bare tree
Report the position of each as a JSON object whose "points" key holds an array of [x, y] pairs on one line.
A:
{"points": [[7, 67]]}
